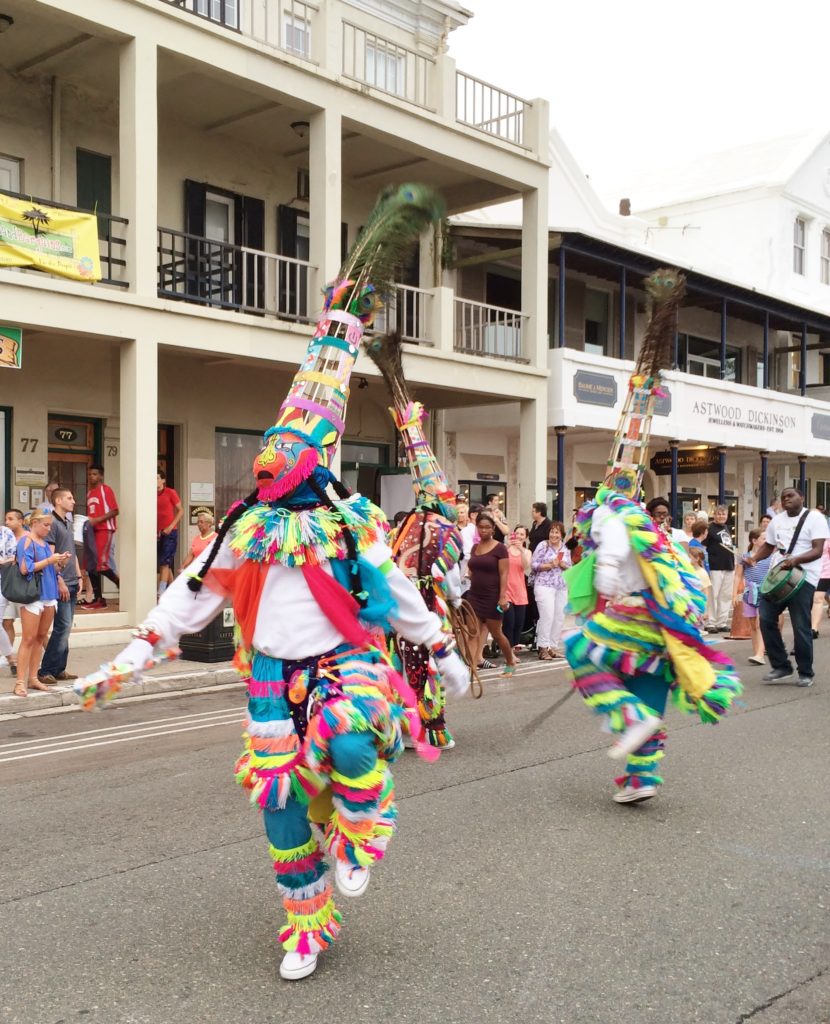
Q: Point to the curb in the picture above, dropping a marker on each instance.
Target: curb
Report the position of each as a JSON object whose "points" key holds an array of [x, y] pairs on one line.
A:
{"points": [[64, 698]]}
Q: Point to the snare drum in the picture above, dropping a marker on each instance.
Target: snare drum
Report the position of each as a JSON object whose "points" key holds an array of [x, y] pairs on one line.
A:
{"points": [[780, 584]]}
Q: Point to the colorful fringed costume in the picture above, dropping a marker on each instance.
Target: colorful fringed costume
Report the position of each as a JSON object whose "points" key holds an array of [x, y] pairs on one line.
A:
{"points": [[637, 595], [648, 640], [314, 590], [428, 546], [427, 549]]}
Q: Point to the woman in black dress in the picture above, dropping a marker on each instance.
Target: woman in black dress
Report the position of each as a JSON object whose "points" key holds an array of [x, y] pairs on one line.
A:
{"points": [[488, 569]]}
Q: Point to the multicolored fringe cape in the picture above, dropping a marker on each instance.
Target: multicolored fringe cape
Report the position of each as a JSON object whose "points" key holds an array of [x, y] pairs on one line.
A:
{"points": [[271, 534], [706, 680], [425, 549]]}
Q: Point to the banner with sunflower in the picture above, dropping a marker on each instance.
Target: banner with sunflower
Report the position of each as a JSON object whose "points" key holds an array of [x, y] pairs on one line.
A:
{"points": [[63, 242]]}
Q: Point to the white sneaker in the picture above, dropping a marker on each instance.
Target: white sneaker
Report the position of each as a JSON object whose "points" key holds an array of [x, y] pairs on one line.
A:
{"points": [[631, 795], [634, 737], [350, 880], [295, 966]]}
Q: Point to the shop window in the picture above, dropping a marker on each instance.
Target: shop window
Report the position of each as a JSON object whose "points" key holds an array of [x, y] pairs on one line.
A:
{"points": [[597, 315], [822, 493], [361, 466], [235, 451], [477, 491]]}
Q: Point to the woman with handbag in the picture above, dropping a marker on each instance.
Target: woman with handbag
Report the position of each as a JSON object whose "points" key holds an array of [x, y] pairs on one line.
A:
{"points": [[36, 562]]}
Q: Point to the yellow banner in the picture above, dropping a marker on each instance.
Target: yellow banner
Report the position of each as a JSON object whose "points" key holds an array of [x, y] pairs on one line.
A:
{"points": [[60, 242]]}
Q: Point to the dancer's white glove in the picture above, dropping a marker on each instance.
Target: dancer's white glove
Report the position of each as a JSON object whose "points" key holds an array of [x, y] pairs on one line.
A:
{"points": [[137, 654], [455, 676], [607, 580]]}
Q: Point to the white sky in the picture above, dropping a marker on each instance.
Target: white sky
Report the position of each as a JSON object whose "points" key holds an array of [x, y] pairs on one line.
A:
{"points": [[635, 81]]}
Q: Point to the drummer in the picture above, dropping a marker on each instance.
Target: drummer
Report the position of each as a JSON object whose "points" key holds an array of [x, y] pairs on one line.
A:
{"points": [[810, 530]]}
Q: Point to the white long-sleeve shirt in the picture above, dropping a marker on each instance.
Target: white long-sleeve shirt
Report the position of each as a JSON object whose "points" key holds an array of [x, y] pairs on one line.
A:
{"points": [[614, 549], [290, 624]]}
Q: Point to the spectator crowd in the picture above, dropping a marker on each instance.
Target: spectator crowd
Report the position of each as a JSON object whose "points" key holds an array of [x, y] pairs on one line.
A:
{"points": [[513, 579]]}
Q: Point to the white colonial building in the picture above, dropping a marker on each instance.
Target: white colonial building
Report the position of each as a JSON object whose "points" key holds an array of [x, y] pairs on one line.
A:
{"points": [[231, 150], [747, 412]]}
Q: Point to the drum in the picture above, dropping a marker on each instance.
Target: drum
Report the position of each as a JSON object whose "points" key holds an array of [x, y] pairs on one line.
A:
{"points": [[781, 584]]}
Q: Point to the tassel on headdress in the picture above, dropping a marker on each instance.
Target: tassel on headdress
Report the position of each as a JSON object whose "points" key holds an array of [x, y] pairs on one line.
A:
{"points": [[428, 480], [629, 453], [312, 418]]}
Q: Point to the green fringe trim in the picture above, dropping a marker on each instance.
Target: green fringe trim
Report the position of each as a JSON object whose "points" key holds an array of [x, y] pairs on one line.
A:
{"points": [[273, 534]]}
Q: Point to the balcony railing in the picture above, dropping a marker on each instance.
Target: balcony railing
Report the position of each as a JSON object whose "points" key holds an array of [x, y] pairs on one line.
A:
{"points": [[283, 24], [483, 330], [111, 243], [385, 65], [483, 106], [224, 276], [408, 312]]}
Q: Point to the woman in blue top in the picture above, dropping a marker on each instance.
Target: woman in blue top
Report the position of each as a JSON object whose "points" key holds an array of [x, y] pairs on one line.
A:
{"points": [[747, 594], [35, 556]]}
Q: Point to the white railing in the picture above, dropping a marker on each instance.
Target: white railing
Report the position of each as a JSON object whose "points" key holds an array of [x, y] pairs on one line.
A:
{"points": [[284, 24], [385, 65], [225, 276], [408, 312], [276, 285], [483, 106], [484, 330]]}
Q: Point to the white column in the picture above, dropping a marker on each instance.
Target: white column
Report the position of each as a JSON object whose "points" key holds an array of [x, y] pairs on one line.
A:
{"points": [[535, 274], [139, 447], [443, 88], [325, 199], [138, 161], [441, 318], [533, 439]]}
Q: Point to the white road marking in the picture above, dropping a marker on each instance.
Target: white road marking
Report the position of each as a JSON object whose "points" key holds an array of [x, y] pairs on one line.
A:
{"points": [[20, 756], [87, 733]]}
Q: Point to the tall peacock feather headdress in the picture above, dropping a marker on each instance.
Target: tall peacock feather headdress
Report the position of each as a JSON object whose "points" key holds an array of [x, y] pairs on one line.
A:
{"points": [[629, 454], [312, 418], [428, 480]]}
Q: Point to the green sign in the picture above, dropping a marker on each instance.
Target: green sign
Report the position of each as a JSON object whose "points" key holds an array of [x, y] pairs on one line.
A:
{"points": [[11, 347]]}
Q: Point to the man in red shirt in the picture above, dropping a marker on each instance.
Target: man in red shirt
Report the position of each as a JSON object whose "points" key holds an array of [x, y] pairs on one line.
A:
{"points": [[169, 512], [99, 534]]}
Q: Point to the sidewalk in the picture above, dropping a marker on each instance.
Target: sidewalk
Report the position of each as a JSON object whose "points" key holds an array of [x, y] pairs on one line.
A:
{"points": [[172, 676]]}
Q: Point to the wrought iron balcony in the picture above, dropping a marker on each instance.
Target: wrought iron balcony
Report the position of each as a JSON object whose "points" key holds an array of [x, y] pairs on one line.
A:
{"points": [[225, 276]]}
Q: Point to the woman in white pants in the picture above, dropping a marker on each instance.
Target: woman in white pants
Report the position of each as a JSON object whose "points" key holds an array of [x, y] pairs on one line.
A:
{"points": [[550, 559]]}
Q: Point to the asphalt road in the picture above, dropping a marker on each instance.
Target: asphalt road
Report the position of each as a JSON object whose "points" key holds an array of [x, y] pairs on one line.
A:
{"points": [[136, 886]]}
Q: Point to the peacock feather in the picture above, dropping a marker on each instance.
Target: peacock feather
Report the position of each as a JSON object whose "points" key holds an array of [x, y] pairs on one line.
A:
{"points": [[666, 288], [386, 353], [367, 275]]}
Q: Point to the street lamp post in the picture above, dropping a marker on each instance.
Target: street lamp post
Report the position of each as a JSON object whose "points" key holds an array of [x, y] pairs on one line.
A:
{"points": [[762, 486], [721, 476], [673, 446], [560, 473]]}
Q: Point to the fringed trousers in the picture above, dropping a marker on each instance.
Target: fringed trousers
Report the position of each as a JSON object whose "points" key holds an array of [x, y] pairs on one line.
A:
{"points": [[320, 735], [618, 663]]}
